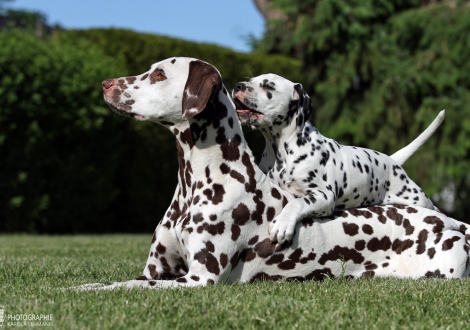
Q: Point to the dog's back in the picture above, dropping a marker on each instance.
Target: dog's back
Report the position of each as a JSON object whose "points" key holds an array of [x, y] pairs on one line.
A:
{"points": [[369, 178]]}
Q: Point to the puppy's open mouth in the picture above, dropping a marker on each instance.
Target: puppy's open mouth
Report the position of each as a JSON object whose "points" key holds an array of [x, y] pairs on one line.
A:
{"points": [[245, 109]]}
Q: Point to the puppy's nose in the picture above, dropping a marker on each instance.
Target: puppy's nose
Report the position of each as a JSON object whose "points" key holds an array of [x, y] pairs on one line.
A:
{"points": [[239, 87], [107, 84]]}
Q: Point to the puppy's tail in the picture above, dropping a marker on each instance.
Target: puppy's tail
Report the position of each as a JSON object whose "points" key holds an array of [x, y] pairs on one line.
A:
{"points": [[402, 155]]}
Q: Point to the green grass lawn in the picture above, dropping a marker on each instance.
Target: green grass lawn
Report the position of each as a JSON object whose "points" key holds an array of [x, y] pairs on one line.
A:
{"points": [[35, 269]]}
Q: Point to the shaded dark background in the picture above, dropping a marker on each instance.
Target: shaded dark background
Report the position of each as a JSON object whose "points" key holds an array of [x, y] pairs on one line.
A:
{"points": [[378, 73]]}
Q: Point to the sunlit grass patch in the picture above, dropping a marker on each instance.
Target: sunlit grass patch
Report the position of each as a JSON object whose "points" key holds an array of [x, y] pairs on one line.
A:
{"points": [[35, 270]]}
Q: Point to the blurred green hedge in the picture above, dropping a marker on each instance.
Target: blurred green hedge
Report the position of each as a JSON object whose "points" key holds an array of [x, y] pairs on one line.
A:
{"points": [[67, 163]]}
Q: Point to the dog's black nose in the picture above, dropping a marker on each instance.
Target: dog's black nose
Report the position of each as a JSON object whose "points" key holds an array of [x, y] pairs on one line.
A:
{"points": [[239, 87]]}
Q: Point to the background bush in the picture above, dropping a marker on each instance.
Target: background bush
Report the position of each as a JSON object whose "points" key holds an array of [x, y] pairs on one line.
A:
{"points": [[58, 157], [67, 163]]}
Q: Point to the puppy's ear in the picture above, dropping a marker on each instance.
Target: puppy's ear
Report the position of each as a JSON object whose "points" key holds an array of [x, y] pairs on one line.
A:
{"points": [[305, 104], [203, 81]]}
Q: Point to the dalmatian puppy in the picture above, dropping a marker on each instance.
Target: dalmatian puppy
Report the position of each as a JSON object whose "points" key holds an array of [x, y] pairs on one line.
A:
{"points": [[216, 228], [318, 174]]}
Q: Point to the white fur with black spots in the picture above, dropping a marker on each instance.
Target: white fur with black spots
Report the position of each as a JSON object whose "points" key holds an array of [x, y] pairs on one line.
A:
{"points": [[318, 174]]}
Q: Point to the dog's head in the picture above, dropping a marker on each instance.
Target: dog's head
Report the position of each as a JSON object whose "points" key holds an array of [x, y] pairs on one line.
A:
{"points": [[171, 92], [271, 100]]}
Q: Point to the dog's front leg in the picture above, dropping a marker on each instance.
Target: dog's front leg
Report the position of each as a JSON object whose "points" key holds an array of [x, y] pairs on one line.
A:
{"points": [[137, 284], [143, 284], [318, 203], [205, 269]]}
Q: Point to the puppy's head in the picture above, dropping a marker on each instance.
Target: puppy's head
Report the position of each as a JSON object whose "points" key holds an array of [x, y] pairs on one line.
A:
{"points": [[171, 92], [271, 100]]}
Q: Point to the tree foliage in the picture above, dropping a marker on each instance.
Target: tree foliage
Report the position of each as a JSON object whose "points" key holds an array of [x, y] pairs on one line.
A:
{"points": [[26, 19], [379, 71]]}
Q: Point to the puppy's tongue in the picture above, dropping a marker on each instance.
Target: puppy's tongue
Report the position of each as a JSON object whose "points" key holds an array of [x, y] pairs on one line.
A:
{"points": [[243, 111]]}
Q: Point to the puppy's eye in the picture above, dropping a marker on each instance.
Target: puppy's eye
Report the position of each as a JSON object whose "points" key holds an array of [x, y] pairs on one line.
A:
{"points": [[269, 87], [157, 75]]}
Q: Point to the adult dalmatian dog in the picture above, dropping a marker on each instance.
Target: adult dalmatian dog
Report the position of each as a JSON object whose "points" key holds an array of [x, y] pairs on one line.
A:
{"points": [[318, 174], [216, 228]]}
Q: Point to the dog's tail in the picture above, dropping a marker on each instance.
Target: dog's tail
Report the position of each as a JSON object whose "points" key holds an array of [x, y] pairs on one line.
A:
{"points": [[402, 155]]}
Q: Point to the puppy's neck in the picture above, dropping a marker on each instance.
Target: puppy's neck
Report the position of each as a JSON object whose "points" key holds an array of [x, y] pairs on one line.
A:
{"points": [[286, 129], [279, 138]]}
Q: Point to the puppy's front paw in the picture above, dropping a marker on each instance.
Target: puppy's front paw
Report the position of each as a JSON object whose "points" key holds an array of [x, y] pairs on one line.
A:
{"points": [[281, 230]]}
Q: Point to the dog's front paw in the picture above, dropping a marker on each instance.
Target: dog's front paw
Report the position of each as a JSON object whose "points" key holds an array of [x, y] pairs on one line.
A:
{"points": [[89, 287], [281, 230]]}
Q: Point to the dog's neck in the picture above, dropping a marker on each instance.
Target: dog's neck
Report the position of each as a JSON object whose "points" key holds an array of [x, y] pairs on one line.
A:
{"points": [[209, 141], [279, 138]]}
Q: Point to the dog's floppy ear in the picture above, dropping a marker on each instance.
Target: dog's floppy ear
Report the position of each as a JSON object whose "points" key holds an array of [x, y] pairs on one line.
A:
{"points": [[203, 81], [305, 105]]}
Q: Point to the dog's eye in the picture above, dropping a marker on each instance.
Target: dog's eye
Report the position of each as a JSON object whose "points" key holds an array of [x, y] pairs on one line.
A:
{"points": [[157, 75], [269, 87]]}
